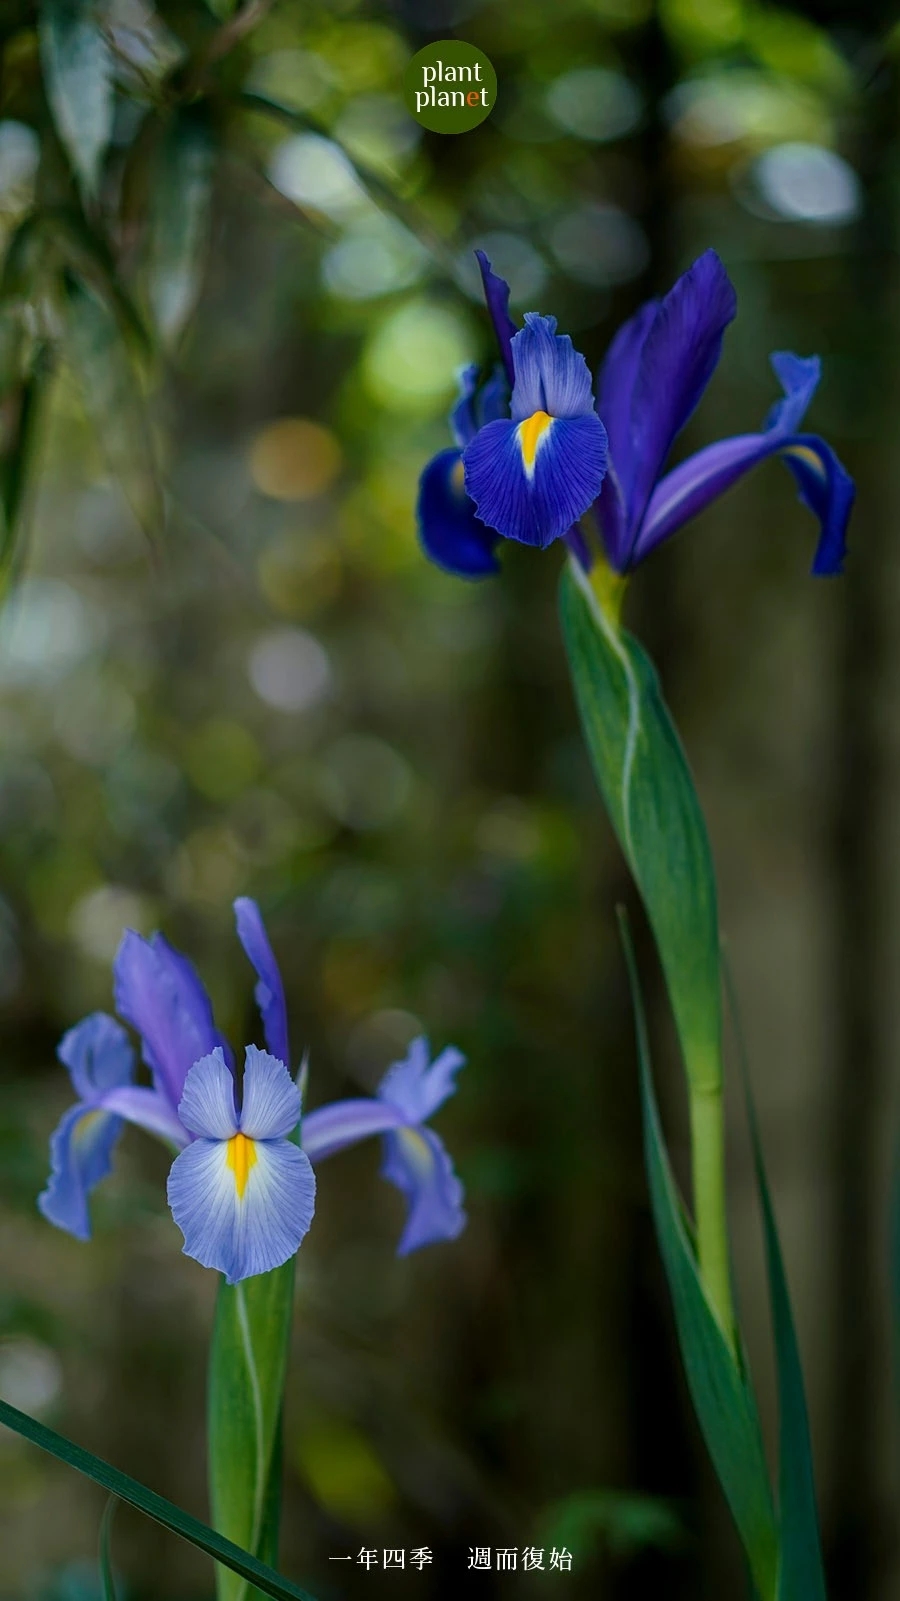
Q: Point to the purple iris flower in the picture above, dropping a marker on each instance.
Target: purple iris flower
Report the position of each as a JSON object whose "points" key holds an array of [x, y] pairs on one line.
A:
{"points": [[654, 374], [241, 1188]]}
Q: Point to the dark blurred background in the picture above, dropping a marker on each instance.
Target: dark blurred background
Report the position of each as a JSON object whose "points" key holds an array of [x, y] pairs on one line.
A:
{"points": [[274, 694]]}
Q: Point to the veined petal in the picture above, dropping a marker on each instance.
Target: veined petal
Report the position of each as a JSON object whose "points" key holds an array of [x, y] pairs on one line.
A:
{"points": [[269, 990], [98, 1054], [551, 375], [81, 1148], [158, 991], [242, 1213], [825, 487], [332, 1128], [416, 1161], [207, 1106], [496, 294], [677, 360], [533, 480], [417, 1086], [271, 1100], [450, 531]]}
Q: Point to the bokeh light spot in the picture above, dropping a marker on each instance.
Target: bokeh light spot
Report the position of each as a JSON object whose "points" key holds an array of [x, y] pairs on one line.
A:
{"points": [[294, 459], [806, 183], [594, 103], [411, 360], [289, 670]]}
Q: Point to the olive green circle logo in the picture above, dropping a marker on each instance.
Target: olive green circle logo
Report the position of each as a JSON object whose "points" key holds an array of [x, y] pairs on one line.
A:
{"points": [[450, 87]]}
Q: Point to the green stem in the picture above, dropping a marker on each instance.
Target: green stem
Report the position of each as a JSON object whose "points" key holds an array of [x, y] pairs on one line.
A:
{"points": [[708, 1166]]}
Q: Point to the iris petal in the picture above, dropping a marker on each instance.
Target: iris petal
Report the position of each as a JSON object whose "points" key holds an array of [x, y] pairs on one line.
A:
{"points": [[248, 1233], [269, 990], [207, 1106], [551, 375], [496, 294], [81, 1148], [825, 487], [418, 1086], [332, 1128], [538, 502], [271, 1104], [615, 385], [450, 531], [98, 1054], [158, 991], [416, 1161], [677, 360]]}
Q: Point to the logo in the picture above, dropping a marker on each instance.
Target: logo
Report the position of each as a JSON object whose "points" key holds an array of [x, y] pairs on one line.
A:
{"points": [[450, 87]]}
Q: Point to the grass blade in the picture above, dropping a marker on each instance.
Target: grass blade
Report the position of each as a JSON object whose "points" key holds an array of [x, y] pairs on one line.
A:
{"points": [[107, 1582], [152, 1505]]}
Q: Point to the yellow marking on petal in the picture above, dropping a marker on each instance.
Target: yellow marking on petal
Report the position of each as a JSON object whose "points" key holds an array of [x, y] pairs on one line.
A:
{"points": [[85, 1126], [804, 453], [458, 480], [241, 1157], [530, 433], [417, 1149]]}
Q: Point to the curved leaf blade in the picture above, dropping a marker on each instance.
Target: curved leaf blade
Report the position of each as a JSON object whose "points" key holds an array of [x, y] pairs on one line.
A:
{"points": [[152, 1505]]}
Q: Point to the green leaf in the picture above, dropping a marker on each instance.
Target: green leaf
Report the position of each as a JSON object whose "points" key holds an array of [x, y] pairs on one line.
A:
{"points": [[720, 1389], [802, 1576], [115, 402], [79, 80], [179, 220], [25, 408], [106, 1573], [650, 797], [152, 1505], [247, 1367]]}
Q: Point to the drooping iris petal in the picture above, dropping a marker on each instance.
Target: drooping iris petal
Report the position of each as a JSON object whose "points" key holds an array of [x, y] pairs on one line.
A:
{"points": [[416, 1161], [496, 294], [81, 1148], [269, 990], [242, 1194], [98, 1054], [242, 1205], [825, 486], [332, 1128], [451, 533], [678, 356], [532, 477], [533, 480], [207, 1106], [271, 1102], [418, 1086], [158, 991], [799, 378], [147, 1109]]}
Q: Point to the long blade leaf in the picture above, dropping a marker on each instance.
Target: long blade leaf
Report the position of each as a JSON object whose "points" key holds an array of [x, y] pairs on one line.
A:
{"points": [[78, 75], [802, 1576], [152, 1505], [722, 1396]]}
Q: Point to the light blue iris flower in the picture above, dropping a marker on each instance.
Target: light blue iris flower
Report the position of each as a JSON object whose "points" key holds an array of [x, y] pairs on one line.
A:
{"points": [[241, 1188]]}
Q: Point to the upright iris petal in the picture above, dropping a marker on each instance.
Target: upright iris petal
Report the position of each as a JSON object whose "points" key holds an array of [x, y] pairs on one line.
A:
{"points": [[269, 992], [415, 1159], [157, 990], [242, 1193], [532, 476]]}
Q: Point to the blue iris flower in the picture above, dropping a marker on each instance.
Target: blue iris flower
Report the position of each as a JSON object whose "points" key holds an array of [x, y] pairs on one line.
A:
{"points": [[654, 374], [241, 1189]]}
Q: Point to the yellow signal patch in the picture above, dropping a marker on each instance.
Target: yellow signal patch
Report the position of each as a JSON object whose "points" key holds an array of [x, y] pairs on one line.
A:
{"points": [[241, 1157], [530, 433]]}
